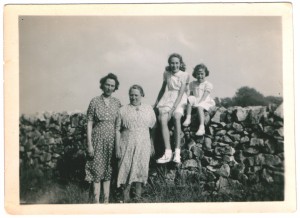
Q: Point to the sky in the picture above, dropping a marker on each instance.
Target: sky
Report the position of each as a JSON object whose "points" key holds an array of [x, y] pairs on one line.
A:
{"points": [[63, 58]]}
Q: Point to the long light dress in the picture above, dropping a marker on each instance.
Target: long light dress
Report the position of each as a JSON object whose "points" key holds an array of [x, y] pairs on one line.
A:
{"points": [[174, 83], [198, 90], [103, 137], [135, 143]]}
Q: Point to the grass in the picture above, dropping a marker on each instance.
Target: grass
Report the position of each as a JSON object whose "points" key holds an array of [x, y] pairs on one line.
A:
{"points": [[163, 187]]}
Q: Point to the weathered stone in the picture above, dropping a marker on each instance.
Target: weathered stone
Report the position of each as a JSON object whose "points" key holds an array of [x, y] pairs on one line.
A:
{"points": [[237, 169], [272, 160], [224, 170], [251, 150], [237, 127], [249, 161], [186, 154], [222, 144], [211, 130], [227, 159], [243, 178], [226, 139], [278, 123], [256, 114], [219, 115], [281, 156], [220, 132], [214, 162], [234, 137], [191, 163], [269, 130], [210, 176], [256, 142], [191, 144], [279, 132], [211, 168], [241, 114], [207, 143], [239, 156], [229, 186], [279, 111], [267, 159], [197, 151], [244, 139], [266, 176], [270, 146], [229, 150]]}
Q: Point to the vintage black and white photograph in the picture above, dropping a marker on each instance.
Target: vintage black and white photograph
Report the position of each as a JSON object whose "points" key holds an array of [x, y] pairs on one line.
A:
{"points": [[146, 106]]}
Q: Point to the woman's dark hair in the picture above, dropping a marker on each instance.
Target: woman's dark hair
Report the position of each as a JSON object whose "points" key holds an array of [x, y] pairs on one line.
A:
{"points": [[138, 87], [198, 67], [109, 76], [182, 64]]}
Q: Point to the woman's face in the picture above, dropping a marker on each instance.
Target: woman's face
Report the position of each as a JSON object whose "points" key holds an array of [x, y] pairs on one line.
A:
{"points": [[200, 75], [109, 87], [135, 97], [174, 64]]}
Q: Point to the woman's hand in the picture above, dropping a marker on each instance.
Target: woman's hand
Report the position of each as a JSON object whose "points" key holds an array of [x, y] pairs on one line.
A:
{"points": [[118, 152], [90, 151], [152, 150], [170, 114]]}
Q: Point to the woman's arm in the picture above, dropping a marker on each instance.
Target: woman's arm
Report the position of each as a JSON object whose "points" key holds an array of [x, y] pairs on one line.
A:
{"points": [[117, 137], [204, 96], [90, 148], [161, 92], [178, 99]]}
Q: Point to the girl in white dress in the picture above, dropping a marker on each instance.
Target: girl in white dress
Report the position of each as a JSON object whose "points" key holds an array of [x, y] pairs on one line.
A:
{"points": [[171, 102], [199, 96]]}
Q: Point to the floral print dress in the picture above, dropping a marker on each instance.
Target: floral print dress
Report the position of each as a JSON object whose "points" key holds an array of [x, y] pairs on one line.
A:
{"points": [[103, 114], [134, 123]]}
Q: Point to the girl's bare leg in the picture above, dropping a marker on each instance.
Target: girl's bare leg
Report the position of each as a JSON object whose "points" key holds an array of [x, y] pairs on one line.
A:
{"points": [[188, 115], [177, 123], [163, 120], [201, 130]]}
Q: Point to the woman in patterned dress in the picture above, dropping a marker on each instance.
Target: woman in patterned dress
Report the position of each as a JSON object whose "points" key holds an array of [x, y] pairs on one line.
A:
{"points": [[101, 115], [133, 142]]}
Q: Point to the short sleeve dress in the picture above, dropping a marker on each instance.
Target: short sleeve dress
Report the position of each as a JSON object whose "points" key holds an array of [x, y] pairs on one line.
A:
{"points": [[198, 91], [134, 123], [174, 83], [103, 116]]}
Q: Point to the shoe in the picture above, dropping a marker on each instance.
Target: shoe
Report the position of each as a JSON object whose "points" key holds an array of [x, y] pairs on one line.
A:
{"points": [[201, 131], [187, 122], [164, 159], [176, 158]]}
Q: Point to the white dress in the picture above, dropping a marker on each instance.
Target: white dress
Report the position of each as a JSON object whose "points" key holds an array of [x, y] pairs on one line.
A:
{"points": [[174, 83], [198, 91]]}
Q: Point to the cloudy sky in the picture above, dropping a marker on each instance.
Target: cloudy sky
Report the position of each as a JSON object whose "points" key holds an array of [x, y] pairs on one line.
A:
{"points": [[63, 58]]}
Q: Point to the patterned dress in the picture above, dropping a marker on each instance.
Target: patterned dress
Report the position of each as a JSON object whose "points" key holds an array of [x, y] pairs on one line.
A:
{"points": [[103, 116], [135, 143]]}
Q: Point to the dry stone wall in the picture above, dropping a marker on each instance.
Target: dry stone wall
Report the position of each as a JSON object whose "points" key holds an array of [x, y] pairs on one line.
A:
{"points": [[241, 146]]}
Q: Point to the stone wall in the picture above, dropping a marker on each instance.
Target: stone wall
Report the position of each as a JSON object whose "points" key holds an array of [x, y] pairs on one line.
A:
{"points": [[241, 146]]}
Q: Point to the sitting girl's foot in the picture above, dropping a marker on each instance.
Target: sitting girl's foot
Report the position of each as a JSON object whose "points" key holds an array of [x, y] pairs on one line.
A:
{"points": [[176, 158], [164, 159], [201, 131], [187, 122]]}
